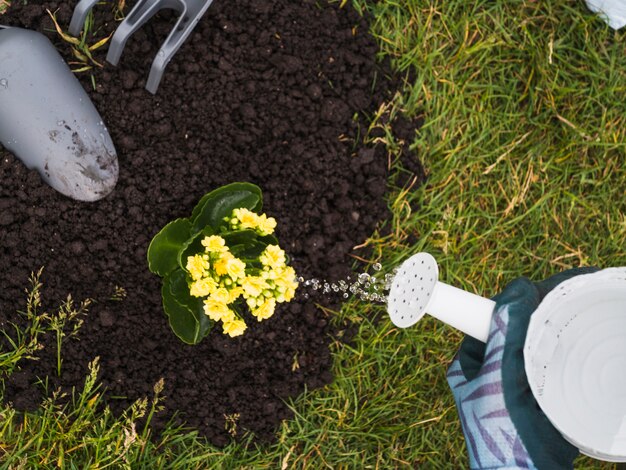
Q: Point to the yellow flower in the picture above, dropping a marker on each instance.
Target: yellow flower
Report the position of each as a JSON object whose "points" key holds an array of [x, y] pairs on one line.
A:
{"points": [[236, 268], [221, 295], [214, 244], [266, 224], [286, 283], [265, 310], [197, 266], [216, 310], [287, 295], [202, 287], [234, 294], [234, 327], [247, 218], [273, 256], [253, 286], [221, 265], [228, 316], [285, 276]]}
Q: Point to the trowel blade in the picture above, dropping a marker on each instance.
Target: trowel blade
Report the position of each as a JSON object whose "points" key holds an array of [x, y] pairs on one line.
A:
{"points": [[48, 121]]}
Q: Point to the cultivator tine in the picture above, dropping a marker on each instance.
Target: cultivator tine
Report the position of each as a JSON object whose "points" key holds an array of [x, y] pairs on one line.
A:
{"points": [[80, 14], [138, 16], [188, 19], [190, 12]]}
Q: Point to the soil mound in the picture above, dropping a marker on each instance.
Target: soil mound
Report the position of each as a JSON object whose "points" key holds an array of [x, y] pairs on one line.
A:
{"points": [[273, 92]]}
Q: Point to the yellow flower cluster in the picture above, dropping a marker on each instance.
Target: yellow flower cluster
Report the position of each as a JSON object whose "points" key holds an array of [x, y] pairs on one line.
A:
{"points": [[244, 219], [222, 279]]}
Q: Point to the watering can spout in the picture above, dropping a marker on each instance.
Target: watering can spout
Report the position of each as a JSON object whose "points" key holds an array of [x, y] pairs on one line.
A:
{"points": [[48, 121], [416, 290]]}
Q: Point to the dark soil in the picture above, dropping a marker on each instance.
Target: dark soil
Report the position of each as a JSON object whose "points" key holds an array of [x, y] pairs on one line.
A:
{"points": [[263, 91]]}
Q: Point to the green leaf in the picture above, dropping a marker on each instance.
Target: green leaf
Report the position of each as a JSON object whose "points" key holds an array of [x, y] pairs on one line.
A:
{"points": [[181, 319], [240, 237], [216, 205], [180, 290], [193, 246], [249, 187], [185, 313], [164, 247], [250, 251], [269, 240]]}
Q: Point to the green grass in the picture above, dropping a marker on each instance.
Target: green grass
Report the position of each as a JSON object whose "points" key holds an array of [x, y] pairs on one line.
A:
{"points": [[523, 140]]}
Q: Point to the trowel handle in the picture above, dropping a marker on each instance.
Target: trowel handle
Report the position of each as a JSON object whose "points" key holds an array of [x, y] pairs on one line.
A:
{"points": [[462, 310]]}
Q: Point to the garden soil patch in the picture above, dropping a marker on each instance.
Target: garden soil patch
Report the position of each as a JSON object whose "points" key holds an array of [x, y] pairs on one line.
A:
{"points": [[273, 92]]}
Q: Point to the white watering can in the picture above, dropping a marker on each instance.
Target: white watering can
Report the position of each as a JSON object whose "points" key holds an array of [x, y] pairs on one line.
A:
{"points": [[575, 349]]}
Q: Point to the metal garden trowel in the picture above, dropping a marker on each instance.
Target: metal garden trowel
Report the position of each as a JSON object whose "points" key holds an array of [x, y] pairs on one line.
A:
{"points": [[48, 121]]}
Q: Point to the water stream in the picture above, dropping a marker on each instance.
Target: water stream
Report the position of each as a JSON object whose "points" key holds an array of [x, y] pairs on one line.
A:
{"points": [[367, 287]]}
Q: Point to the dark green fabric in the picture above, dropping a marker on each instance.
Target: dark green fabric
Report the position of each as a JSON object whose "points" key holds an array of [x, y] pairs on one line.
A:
{"points": [[543, 442], [471, 356]]}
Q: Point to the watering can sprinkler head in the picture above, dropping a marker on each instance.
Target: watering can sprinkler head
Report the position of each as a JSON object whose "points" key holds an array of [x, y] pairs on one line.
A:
{"points": [[416, 290], [48, 121]]}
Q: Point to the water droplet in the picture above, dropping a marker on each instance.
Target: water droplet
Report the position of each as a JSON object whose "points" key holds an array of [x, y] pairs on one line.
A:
{"points": [[377, 266], [363, 278], [4, 83]]}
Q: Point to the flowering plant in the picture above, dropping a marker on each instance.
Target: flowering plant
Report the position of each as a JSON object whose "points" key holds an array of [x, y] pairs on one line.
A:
{"points": [[220, 260]]}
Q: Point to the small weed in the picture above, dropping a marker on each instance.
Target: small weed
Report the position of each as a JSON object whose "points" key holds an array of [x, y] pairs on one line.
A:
{"points": [[118, 10], [66, 323], [295, 364], [80, 48], [25, 342], [119, 294], [155, 407], [230, 423]]}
